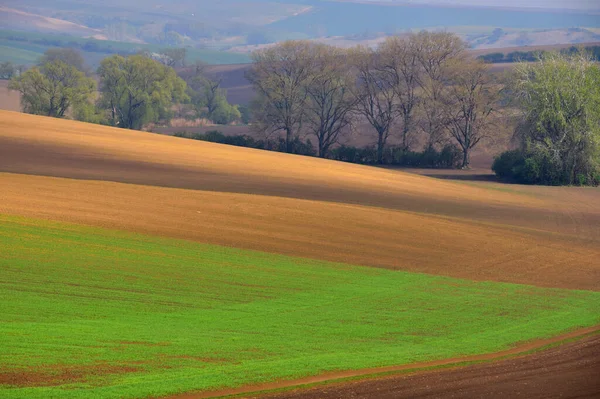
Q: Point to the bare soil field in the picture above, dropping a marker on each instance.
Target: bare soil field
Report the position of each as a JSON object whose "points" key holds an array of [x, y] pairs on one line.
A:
{"points": [[298, 205], [451, 223], [569, 371], [9, 100], [233, 77]]}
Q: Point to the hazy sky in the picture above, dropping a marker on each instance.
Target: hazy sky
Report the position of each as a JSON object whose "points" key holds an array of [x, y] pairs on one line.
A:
{"points": [[568, 4]]}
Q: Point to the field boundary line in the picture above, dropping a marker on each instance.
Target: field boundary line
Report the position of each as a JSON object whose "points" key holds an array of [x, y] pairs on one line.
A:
{"points": [[333, 377]]}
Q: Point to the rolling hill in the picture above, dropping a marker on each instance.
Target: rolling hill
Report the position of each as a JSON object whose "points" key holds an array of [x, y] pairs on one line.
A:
{"points": [[240, 26], [306, 197], [140, 265]]}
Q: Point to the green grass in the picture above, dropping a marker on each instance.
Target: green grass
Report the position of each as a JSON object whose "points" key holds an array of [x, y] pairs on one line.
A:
{"points": [[187, 316], [18, 55], [27, 47]]}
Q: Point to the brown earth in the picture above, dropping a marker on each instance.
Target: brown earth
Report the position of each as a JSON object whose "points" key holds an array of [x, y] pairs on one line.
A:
{"points": [[9, 99], [60, 375], [399, 380], [24, 21], [298, 205], [568, 371], [460, 225]]}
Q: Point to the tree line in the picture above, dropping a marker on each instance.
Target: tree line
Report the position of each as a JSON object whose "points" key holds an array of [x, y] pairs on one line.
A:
{"points": [[421, 86], [534, 55], [422, 89], [125, 91]]}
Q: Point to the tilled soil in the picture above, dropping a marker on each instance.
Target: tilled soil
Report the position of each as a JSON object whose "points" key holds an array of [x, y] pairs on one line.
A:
{"points": [[298, 206], [360, 235], [568, 371], [326, 210]]}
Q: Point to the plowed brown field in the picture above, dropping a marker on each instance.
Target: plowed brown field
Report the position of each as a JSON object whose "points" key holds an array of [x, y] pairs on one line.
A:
{"points": [[297, 205], [568, 371], [69, 171]]}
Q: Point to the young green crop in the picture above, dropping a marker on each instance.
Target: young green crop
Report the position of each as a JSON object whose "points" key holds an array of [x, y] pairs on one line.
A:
{"points": [[92, 313]]}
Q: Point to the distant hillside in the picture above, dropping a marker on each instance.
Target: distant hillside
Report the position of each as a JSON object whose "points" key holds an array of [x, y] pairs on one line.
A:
{"points": [[343, 19], [587, 5], [548, 37], [20, 20], [226, 24], [26, 48]]}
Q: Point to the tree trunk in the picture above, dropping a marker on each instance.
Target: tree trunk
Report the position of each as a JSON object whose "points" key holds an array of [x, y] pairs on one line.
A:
{"points": [[405, 130], [466, 158], [322, 149], [380, 145], [288, 140]]}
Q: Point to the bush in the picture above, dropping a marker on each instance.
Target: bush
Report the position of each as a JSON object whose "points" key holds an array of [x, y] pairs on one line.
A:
{"points": [[214, 136], [504, 165], [538, 168], [365, 156], [448, 157]]}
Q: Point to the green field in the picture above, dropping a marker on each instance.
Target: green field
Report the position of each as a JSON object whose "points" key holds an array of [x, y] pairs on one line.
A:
{"points": [[27, 47], [122, 315]]}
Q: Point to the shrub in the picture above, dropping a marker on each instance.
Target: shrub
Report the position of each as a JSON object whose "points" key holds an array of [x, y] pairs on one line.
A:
{"points": [[448, 157], [538, 167], [530, 171], [504, 165], [214, 136]]}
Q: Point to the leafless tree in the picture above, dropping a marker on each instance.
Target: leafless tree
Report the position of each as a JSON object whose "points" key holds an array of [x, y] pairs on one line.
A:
{"points": [[469, 103], [280, 75], [330, 105], [376, 97], [401, 61], [435, 52]]}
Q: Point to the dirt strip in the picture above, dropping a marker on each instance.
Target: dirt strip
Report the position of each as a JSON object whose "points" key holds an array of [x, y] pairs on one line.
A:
{"points": [[492, 371]]}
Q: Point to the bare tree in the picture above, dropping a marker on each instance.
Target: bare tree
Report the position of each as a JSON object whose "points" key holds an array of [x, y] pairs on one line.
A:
{"points": [[280, 75], [375, 95], [470, 100], [401, 61], [435, 52], [330, 102], [212, 94]]}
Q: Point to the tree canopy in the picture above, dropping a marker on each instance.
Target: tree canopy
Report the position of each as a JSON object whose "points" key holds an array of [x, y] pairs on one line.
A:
{"points": [[69, 56], [137, 90], [53, 88], [559, 134], [279, 76]]}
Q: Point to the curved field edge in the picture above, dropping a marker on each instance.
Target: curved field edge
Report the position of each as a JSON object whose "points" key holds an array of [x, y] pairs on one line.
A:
{"points": [[77, 302], [331, 382], [351, 234], [564, 369]]}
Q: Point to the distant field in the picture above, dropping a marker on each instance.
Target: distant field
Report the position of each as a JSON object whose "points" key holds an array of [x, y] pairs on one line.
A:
{"points": [[9, 100], [507, 50], [344, 18], [97, 313], [27, 47]]}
